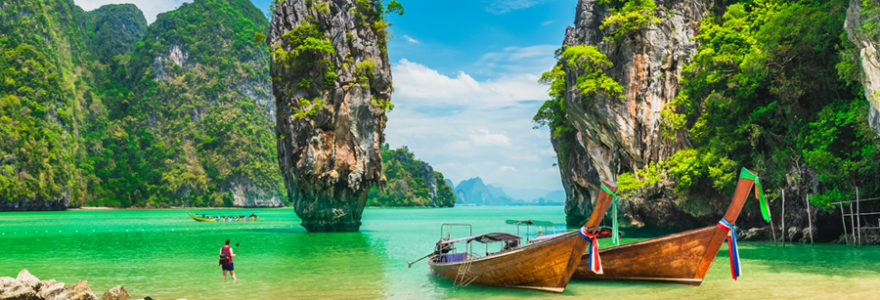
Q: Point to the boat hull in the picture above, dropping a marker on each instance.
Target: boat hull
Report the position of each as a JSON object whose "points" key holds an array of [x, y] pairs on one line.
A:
{"points": [[546, 266], [678, 258], [200, 219]]}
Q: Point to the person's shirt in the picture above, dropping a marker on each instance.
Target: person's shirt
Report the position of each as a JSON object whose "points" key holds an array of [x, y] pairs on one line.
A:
{"points": [[230, 252]]}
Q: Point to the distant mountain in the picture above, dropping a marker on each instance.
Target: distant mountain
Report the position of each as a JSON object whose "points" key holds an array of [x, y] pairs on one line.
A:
{"points": [[474, 191]]}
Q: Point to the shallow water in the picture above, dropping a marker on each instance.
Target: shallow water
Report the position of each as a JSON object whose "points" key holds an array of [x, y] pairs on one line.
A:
{"points": [[166, 255]]}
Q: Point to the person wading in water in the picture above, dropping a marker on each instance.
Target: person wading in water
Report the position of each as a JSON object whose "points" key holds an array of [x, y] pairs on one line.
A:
{"points": [[226, 256]]}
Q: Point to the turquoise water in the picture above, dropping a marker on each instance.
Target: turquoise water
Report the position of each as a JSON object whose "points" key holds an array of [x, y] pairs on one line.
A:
{"points": [[166, 255]]}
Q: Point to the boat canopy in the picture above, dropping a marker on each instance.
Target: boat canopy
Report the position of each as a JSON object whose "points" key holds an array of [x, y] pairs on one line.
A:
{"points": [[530, 222], [484, 238]]}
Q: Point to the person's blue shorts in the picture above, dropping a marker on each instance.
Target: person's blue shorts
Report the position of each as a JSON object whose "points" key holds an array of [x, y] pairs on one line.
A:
{"points": [[228, 267]]}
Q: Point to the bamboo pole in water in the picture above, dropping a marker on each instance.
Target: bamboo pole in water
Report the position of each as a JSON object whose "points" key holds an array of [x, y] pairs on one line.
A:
{"points": [[810, 219], [852, 222], [843, 220], [858, 217], [783, 217], [772, 229]]}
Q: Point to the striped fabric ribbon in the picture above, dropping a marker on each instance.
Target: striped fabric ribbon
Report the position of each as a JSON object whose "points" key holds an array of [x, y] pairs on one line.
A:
{"points": [[735, 268], [595, 264], [615, 237]]}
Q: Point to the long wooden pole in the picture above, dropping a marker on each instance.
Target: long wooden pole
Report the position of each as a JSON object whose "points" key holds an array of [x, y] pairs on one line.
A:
{"points": [[852, 222], [810, 219], [858, 217], [843, 220], [783, 218], [772, 229]]}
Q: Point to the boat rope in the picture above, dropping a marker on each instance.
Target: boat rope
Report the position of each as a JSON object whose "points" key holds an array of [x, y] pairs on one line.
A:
{"points": [[615, 238], [594, 263], [735, 268], [759, 192]]}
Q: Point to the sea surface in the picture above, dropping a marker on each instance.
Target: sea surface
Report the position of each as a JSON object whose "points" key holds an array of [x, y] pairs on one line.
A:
{"points": [[166, 255]]}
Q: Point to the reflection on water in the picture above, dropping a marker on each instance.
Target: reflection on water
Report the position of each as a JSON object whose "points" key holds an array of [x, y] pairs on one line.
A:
{"points": [[166, 255]]}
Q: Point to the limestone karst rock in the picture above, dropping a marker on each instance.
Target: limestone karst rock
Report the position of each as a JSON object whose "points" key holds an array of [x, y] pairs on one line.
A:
{"points": [[332, 84]]}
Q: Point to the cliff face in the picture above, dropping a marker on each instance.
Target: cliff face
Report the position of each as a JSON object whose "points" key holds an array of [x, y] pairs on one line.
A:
{"points": [[614, 135], [202, 88], [332, 85], [42, 95], [870, 60]]}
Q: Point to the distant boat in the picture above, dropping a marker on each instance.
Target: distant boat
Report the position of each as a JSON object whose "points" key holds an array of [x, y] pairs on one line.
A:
{"points": [[225, 217], [678, 258], [545, 265]]}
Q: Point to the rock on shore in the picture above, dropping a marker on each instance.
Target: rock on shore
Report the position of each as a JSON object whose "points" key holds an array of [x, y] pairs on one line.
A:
{"points": [[28, 287]]}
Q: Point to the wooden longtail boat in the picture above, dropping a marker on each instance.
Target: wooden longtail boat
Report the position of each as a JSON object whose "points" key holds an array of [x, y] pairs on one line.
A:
{"points": [[678, 258], [225, 217], [545, 265]]}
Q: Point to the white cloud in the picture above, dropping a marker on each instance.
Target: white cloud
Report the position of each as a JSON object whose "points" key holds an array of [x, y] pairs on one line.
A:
{"points": [[415, 81], [410, 39], [507, 169], [483, 137], [466, 127], [547, 23], [500, 7], [518, 60], [151, 8]]}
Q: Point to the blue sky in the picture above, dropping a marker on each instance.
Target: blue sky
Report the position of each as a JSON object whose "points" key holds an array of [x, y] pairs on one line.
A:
{"points": [[465, 76]]}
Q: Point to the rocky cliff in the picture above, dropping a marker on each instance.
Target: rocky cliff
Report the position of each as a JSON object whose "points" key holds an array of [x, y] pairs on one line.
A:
{"points": [[613, 135], [867, 44], [42, 94], [332, 85]]}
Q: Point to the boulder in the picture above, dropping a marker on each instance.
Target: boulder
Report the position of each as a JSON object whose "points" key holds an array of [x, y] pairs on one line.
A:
{"points": [[116, 293], [80, 291], [49, 289], [25, 278], [755, 233], [12, 289]]}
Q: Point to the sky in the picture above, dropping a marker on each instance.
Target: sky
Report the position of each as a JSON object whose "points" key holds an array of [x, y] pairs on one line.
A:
{"points": [[465, 76]]}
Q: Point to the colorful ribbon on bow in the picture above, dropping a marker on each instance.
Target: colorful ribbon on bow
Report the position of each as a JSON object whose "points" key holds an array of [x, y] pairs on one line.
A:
{"points": [[615, 238], [735, 268], [759, 192], [595, 264]]}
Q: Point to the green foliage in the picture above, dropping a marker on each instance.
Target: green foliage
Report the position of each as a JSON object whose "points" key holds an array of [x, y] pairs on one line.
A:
{"points": [[394, 7], [870, 18], [590, 66], [627, 17], [42, 93], [305, 108], [409, 182], [104, 124], [768, 89], [114, 29], [364, 70]]}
